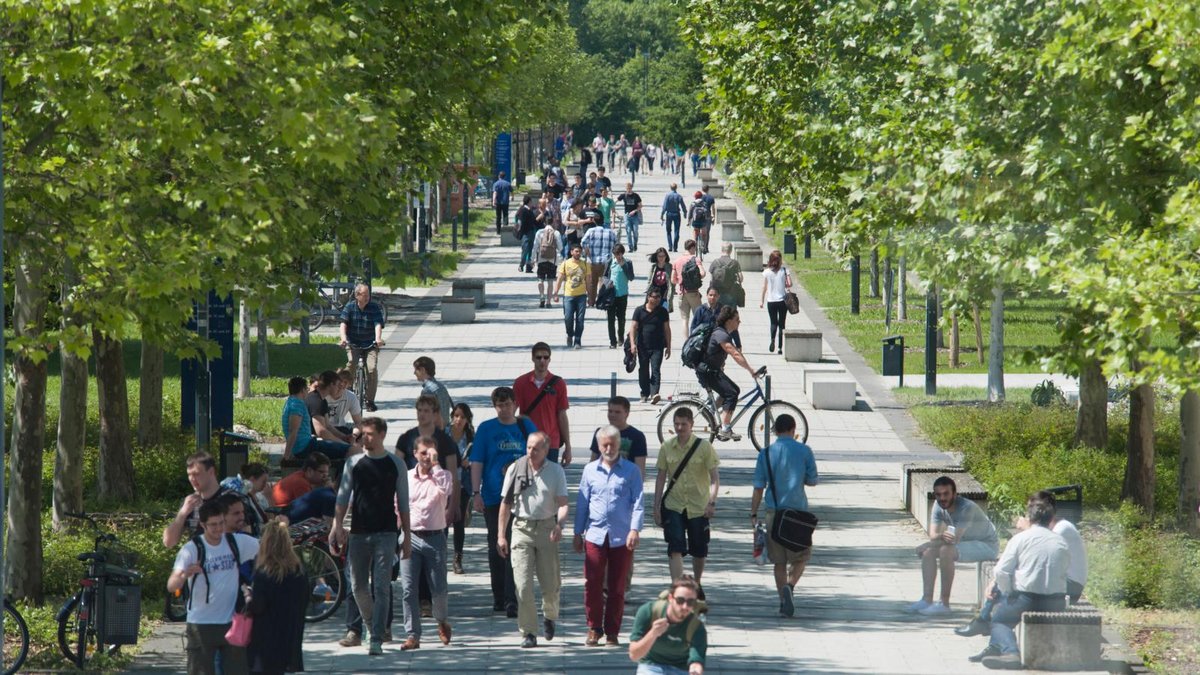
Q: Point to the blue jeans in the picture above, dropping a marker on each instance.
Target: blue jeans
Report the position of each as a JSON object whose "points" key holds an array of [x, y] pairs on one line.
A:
{"points": [[632, 222], [672, 225], [659, 669], [428, 561], [1006, 614], [331, 449], [527, 250], [316, 504], [371, 557], [573, 309]]}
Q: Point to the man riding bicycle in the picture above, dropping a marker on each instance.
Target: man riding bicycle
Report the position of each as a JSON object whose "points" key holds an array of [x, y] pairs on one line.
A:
{"points": [[711, 371], [362, 335]]}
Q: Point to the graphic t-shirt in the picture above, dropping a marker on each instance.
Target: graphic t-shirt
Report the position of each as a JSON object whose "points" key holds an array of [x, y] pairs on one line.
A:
{"points": [[496, 446], [633, 444], [575, 272], [631, 200], [221, 587]]}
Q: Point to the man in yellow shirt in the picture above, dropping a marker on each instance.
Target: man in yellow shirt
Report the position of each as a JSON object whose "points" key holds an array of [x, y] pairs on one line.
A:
{"points": [[685, 494], [573, 273]]}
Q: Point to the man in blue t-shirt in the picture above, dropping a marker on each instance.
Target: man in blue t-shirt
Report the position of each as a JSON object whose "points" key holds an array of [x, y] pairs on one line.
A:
{"points": [[501, 194], [792, 467], [498, 443]]}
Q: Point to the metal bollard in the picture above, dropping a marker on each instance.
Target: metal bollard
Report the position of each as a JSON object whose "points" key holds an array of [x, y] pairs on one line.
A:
{"points": [[769, 421], [612, 386]]}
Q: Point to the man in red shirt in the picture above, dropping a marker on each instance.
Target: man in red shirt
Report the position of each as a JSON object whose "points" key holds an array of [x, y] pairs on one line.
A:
{"points": [[542, 397], [306, 493]]}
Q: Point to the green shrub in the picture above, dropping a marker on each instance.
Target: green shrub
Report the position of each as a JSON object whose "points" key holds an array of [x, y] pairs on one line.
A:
{"points": [[1133, 563], [61, 571]]}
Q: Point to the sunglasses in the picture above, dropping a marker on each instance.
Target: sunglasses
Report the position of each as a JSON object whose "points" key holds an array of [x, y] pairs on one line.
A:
{"points": [[680, 600]]}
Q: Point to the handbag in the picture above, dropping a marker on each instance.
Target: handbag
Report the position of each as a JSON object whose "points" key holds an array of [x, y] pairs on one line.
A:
{"points": [[630, 359], [792, 302], [606, 292], [791, 528], [739, 295], [238, 634]]}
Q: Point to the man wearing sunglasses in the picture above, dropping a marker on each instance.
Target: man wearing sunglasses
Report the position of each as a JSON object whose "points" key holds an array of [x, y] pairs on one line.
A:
{"points": [[668, 638]]}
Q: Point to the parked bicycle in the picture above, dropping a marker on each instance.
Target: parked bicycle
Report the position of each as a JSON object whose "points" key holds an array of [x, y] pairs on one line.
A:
{"points": [[106, 612], [325, 571], [16, 639], [332, 298], [706, 414]]}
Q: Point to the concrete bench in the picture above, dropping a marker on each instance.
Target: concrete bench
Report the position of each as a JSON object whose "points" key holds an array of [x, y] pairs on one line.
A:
{"points": [[1068, 640], [749, 256], [508, 237], [733, 230], [819, 368], [831, 391], [458, 309], [801, 344], [705, 174], [715, 189], [475, 289], [571, 170], [726, 212]]}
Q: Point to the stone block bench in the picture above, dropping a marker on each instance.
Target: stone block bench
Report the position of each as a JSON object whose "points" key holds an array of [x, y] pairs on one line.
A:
{"points": [[831, 391], [705, 174], [726, 212], [801, 344], [715, 189], [475, 289], [457, 309], [733, 230], [818, 368], [1067, 640], [749, 256]]}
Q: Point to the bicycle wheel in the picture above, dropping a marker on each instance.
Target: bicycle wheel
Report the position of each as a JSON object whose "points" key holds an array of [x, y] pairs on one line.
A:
{"points": [[16, 639], [325, 581], [705, 424], [758, 421], [315, 316], [176, 605], [360, 383], [77, 638]]}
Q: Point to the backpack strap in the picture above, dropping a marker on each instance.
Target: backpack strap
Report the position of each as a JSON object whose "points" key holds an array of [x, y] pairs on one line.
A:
{"points": [[201, 555]]}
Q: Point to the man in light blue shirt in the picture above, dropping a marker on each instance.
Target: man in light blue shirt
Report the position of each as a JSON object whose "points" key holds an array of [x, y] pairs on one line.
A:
{"points": [[792, 467], [608, 520]]}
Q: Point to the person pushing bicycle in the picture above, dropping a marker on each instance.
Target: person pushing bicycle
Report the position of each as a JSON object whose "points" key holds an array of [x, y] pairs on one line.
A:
{"points": [[711, 371], [362, 336]]}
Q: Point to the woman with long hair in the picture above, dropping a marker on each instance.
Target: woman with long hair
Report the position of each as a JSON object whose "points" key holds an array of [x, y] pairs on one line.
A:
{"points": [[776, 282], [660, 274], [277, 602], [462, 430]]}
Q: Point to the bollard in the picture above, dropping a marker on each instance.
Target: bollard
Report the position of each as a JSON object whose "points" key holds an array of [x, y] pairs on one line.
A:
{"points": [[807, 246], [930, 342], [769, 422], [854, 285], [612, 386]]}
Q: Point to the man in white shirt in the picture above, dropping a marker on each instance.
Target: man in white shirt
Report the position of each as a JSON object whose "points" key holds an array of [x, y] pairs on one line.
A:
{"points": [[344, 404], [1032, 576]]}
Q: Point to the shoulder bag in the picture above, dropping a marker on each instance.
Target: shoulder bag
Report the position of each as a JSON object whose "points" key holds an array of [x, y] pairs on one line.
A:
{"points": [[679, 471], [791, 528], [789, 298]]}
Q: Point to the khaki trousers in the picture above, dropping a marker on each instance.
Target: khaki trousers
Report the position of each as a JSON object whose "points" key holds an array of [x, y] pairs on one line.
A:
{"points": [[533, 552]]}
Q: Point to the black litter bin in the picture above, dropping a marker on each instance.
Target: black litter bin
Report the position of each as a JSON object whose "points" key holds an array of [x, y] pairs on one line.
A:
{"points": [[789, 243], [893, 356], [235, 452], [1068, 501], [520, 176]]}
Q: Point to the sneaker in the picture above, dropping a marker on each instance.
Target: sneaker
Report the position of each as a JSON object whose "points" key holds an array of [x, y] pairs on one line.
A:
{"points": [[426, 609], [655, 399], [936, 609], [548, 626], [787, 607], [542, 304], [645, 398], [1009, 661], [458, 568], [612, 345], [371, 407], [352, 639], [917, 606], [990, 650], [498, 606], [529, 641], [771, 349], [387, 636], [376, 648], [976, 627], [578, 346]]}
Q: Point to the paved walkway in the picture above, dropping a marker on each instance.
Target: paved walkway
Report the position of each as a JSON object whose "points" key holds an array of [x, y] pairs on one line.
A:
{"points": [[849, 603]]}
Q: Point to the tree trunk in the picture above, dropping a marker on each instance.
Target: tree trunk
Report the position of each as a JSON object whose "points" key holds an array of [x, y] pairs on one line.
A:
{"points": [[115, 469], [304, 334], [1189, 462], [954, 341], [978, 332], [874, 281], [995, 378], [243, 376], [23, 562], [1091, 422], [150, 396], [1139, 450], [263, 369], [902, 292]]}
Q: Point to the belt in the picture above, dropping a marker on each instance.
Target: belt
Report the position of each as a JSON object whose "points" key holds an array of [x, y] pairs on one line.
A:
{"points": [[426, 533], [534, 520]]}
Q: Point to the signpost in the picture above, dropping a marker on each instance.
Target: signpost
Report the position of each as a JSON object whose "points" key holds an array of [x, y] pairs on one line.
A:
{"points": [[502, 156]]}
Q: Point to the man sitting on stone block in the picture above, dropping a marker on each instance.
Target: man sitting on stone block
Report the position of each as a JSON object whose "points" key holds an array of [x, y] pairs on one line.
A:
{"points": [[959, 531]]}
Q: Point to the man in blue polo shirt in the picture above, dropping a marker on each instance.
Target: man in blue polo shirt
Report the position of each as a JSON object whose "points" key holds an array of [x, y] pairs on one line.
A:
{"points": [[501, 194]]}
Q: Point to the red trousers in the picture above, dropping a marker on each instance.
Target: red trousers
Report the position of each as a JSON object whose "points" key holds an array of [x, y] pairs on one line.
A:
{"points": [[601, 563]]}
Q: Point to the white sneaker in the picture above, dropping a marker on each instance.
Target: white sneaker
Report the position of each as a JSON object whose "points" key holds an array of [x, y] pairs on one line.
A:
{"points": [[918, 606], [936, 609]]}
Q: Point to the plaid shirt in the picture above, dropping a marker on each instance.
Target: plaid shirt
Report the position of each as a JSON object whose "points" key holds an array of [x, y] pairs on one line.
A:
{"points": [[598, 244], [361, 323]]}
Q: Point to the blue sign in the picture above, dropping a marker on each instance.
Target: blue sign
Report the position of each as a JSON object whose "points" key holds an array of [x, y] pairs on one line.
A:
{"points": [[502, 157]]}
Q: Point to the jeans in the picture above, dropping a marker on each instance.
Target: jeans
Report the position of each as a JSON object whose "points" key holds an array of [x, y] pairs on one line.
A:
{"points": [[504, 589], [649, 367], [428, 563], [777, 311], [1006, 614], [371, 557], [335, 450], [372, 371], [527, 250], [316, 504], [672, 224], [616, 319], [501, 216], [533, 552], [605, 563], [574, 307], [658, 669], [633, 221]]}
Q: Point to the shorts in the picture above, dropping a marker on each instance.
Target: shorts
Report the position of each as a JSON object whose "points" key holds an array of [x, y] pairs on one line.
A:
{"points": [[546, 271], [974, 550], [780, 555], [685, 535], [722, 386]]}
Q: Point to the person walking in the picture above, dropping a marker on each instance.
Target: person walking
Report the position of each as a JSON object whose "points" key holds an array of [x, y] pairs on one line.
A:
{"points": [[620, 272], [687, 274], [572, 275], [527, 228], [608, 522], [685, 495], [430, 487], [636, 151], [534, 496], [374, 491], [501, 194], [725, 274], [776, 282], [659, 278], [673, 210], [668, 637], [277, 603], [632, 202], [546, 245], [650, 341], [633, 441], [462, 432], [781, 472], [542, 397], [598, 243]]}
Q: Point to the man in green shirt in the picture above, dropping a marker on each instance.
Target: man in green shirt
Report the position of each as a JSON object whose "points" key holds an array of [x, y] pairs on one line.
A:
{"points": [[685, 494], [668, 637]]}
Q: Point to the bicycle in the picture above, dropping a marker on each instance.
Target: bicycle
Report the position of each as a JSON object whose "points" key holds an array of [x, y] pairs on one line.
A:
{"points": [[324, 570], [332, 299], [16, 639], [106, 611], [359, 363], [706, 413]]}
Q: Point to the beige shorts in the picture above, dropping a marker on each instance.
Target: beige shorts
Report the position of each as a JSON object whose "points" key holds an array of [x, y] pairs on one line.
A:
{"points": [[778, 554]]}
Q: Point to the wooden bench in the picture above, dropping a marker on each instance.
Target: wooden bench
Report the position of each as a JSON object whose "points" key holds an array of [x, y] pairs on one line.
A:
{"points": [[457, 309], [831, 391], [476, 289], [1067, 640], [801, 344]]}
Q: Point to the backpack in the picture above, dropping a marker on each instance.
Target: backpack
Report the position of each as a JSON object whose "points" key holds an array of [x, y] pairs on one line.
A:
{"points": [[549, 248], [696, 345], [690, 275], [659, 609], [719, 274], [699, 211], [201, 555]]}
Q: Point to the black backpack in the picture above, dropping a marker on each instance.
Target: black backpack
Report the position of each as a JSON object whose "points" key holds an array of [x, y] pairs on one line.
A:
{"points": [[696, 345], [690, 275]]}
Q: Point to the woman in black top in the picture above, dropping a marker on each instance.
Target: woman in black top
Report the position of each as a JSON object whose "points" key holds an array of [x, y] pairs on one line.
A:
{"points": [[660, 274], [650, 337], [277, 603]]}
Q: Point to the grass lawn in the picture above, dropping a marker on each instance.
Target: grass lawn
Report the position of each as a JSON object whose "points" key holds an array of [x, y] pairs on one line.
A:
{"points": [[440, 262]]}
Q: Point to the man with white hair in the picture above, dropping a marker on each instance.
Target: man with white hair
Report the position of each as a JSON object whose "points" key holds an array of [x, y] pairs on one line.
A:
{"points": [[362, 331]]}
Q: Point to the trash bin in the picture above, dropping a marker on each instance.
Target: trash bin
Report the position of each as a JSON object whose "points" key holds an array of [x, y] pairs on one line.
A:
{"points": [[234, 453], [893, 356], [520, 176], [1068, 500], [789, 243]]}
